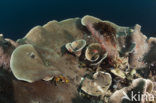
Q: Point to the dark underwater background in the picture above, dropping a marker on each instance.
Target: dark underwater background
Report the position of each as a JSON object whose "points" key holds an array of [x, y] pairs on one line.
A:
{"points": [[17, 17]]}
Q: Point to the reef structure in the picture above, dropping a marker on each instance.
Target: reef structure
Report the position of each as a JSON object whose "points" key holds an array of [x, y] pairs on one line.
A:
{"points": [[91, 60]]}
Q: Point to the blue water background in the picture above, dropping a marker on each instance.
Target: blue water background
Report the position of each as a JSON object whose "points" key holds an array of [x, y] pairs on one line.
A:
{"points": [[17, 17]]}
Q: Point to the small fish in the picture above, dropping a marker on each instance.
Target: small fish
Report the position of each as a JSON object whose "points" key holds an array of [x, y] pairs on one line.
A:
{"points": [[61, 79]]}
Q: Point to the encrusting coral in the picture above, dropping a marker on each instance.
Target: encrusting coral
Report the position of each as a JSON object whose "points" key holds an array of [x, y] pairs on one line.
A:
{"points": [[76, 47], [140, 88], [106, 38], [32, 67], [95, 54], [7, 46], [87, 58], [98, 85]]}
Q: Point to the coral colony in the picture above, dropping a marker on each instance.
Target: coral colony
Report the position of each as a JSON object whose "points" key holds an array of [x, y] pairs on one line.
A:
{"points": [[91, 60]]}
